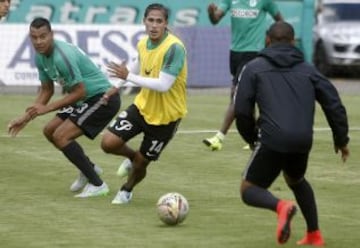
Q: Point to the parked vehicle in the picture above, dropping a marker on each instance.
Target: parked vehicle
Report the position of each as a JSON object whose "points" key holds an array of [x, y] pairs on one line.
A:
{"points": [[336, 36]]}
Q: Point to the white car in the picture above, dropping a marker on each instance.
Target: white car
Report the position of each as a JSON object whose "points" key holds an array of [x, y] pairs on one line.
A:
{"points": [[337, 36]]}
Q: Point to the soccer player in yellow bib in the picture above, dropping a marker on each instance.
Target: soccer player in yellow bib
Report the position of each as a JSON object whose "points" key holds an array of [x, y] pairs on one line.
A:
{"points": [[161, 72]]}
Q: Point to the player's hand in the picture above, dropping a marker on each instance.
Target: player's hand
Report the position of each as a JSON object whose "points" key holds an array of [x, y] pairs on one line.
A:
{"points": [[37, 109], [345, 152], [212, 8], [16, 125], [118, 70], [104, 99]]}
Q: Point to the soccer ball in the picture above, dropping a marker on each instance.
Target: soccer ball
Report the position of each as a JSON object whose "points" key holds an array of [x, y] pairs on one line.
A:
{"points": [[172, 208]]}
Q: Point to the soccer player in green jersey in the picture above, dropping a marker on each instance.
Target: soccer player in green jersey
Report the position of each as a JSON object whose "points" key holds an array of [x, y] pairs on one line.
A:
{"points": [[4, 7], [81, 111], [248, 24], [161, 72]]}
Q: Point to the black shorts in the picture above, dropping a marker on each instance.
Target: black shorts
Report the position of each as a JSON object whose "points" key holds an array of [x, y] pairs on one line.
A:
{"points": [[265, 166], [130, 123], [92, 116], [237, 62]]}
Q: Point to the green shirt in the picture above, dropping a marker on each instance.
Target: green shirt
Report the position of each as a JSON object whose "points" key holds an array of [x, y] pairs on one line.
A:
{"points": [[174, 59], [68, 65], [248, 20]]}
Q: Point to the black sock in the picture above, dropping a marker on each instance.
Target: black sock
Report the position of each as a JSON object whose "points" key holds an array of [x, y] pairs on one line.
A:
{"points": [[259, 197], [76, 155], [305, 198]]}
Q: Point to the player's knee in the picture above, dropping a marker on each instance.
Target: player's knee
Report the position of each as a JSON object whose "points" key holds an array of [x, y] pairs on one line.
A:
{"points": [[292, 182], [243, 187], [48, 133], [107, 146], [59, 140]]}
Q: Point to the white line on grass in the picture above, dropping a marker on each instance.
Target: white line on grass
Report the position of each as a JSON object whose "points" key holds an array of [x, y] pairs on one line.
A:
{"points": [[317, 129]]}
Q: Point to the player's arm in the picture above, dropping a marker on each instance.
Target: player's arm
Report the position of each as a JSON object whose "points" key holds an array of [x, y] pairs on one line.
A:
{"points": [[133, 67], [76, 93], [244, 101], [162, 83], [173, 63], [215, 13], [68, 67], [274, 11], [46, 91], [335, 112]]}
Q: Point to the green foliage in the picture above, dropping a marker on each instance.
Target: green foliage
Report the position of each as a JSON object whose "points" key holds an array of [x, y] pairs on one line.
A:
{"points": [[38, 210]]}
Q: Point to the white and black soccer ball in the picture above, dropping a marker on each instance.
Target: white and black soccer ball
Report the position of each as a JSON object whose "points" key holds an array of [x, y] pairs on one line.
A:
{"points": [[172, 208]]}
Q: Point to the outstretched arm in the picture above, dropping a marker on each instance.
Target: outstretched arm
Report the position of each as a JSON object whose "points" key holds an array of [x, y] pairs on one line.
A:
{"points": [[77, 93], [16, 125], [163, 83], [43, 97]]}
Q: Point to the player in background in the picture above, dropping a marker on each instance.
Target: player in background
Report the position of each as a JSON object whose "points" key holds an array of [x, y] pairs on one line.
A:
{"points": [[4, 8], [161, 72], [285, 90], [248, 24], [81, 111]]}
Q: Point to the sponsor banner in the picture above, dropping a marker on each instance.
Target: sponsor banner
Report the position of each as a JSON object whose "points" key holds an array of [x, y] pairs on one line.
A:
{"points": [[102, 43], [207, 50], [182, 12]]}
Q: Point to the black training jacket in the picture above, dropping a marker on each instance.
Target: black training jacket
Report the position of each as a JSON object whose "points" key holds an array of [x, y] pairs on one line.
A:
{"points": [[285, 87]]}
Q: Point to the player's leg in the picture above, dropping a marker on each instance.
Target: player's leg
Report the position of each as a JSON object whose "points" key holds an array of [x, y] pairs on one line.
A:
{"points": [[237, 62], [215, 142], [263, 169], [304, 194], [155, 140], [89, 119], [54, 123], [64, 138], [48, 131], [138, 173], [126, 126], [114, 144]]}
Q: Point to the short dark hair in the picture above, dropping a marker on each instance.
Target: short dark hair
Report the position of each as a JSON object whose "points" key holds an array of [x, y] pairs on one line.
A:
{"points": [[281, 32], [39, 22], [157, 6]]}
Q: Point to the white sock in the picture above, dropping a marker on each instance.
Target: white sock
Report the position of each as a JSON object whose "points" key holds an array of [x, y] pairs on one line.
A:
{"points": [[220, 135]]}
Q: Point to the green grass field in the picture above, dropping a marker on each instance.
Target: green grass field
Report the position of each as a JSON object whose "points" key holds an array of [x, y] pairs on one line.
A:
{"points": [[38, 210]]}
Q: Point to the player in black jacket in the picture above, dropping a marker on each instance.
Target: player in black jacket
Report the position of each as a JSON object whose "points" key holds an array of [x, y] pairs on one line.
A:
{"points": [[285, 88]]}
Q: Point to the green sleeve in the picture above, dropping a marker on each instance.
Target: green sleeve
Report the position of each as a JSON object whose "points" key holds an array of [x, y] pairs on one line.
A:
{"points": [[174, 60], [43, 77], [68, 63]]}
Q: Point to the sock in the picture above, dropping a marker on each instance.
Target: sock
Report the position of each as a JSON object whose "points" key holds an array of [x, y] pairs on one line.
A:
{"points": [[306, 200], [76, 155], [259, 197], [125, 188], [220, 135]]}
